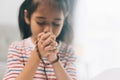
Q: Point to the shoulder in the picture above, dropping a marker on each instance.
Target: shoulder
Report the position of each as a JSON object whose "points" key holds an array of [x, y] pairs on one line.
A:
{"points": [[20, 43], [17, 48], [16, 44]]}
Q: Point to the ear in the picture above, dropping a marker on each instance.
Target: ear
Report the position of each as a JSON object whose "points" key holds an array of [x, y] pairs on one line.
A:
{"points": [[26, 17]]}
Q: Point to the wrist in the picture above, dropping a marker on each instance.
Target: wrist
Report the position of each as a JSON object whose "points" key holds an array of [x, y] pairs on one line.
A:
{"points": [[35, 56], [54, 59]]}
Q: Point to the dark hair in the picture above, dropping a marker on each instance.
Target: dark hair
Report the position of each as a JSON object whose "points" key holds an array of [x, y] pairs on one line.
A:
{"points": [[66, 34]]}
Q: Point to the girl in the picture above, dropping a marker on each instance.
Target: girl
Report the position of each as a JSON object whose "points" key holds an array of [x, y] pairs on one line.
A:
{"points": [[43, 53]]}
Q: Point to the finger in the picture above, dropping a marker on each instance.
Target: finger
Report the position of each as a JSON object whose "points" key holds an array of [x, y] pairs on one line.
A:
{"points": [[53, 37], [47, 42], [45, 36], [54, 43], [39, 35], [53, 51], [40, 43], [46, 54], [50, 48]]}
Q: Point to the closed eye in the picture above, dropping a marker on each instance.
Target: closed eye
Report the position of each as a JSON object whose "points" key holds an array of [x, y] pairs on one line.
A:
{"points": [[55, 24], [44, 23], [41, 23]]}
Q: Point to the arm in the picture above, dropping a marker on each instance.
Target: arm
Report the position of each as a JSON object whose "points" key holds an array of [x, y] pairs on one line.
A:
{"points": [[30, 67], [69, 71], [60, 72], [16, 69]]}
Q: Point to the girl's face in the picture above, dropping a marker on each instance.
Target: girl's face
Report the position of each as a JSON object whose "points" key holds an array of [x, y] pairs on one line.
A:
{"points": [[46, 19]]}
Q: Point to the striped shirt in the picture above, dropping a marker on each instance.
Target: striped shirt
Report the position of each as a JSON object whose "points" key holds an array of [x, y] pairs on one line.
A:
{"points": [[19, 52]]}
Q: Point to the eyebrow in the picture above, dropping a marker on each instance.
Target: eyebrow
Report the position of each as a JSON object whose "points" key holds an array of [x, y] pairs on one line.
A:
{"points": [[40, 17], [45, 18]]}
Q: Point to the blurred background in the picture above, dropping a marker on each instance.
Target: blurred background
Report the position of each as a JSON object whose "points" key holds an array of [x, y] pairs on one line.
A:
{"points": [[97, 37]]}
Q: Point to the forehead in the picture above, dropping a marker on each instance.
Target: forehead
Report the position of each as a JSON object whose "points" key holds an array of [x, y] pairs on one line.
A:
{"points": [[48, 12], [48, 8]]}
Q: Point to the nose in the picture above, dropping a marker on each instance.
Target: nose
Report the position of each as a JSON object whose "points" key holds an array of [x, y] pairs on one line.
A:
{"points": [[48, 28]]}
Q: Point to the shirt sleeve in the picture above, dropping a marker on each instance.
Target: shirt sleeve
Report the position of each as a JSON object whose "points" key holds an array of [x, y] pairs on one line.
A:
{"points": [[71, 63], [14, 63]]}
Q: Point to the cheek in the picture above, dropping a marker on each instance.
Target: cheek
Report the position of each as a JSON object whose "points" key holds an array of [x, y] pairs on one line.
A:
{"points": [[35, 29], [57, 31]]}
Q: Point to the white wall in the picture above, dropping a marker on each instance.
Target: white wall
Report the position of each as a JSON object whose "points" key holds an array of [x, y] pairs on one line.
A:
{"points": [[97, 25], [9, 11]]}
